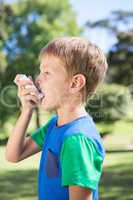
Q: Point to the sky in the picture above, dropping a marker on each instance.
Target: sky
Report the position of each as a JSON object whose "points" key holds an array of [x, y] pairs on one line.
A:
{"points": [[98, 9], [95, 10]]}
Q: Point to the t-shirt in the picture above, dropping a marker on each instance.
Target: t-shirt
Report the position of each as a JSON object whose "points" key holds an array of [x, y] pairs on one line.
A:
{"points": [[81, 153]]}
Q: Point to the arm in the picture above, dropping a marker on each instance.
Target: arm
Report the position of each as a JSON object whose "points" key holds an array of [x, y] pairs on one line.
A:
{"points": [[79, 193], [19, 146], [86, 167]]}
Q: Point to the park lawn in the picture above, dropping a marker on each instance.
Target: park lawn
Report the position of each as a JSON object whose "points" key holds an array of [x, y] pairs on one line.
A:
{"points": [[121, 137], [117, 178], [18, 184], [19, 181]]}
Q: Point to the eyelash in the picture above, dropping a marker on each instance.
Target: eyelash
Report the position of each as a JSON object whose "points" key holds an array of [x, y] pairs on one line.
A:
{"points": [[45, 73]]}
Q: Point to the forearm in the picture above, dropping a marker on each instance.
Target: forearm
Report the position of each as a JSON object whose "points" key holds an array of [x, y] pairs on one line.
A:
{"points": [[16, 140]]}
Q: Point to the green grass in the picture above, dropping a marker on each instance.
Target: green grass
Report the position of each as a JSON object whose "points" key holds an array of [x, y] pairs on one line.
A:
{"points": [[117, 178], [19, 181], [18, 185], [121, 136]]}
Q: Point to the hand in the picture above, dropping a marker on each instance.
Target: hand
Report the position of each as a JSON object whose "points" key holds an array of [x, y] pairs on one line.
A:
{"points": [[27, 92]]}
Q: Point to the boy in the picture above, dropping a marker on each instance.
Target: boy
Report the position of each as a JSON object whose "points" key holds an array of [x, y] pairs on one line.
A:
{"points": [[72, 153]]}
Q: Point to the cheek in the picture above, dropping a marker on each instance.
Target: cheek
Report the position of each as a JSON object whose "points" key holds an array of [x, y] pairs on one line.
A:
{"points": [[64, 90], [57, 93], [55, 88]]}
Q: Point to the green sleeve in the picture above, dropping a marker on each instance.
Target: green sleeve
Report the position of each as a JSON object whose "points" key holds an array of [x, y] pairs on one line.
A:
{"points": [[39, 135], [81, 163]]}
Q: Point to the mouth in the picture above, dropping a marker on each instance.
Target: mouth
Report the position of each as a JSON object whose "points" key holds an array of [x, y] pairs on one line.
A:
{"points": [[41, 94]]}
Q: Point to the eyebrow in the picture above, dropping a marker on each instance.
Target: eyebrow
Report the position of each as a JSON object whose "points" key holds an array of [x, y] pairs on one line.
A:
{"points": [[41, 69]]}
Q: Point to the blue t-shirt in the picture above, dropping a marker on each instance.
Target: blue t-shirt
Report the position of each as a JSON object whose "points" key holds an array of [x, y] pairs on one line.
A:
{"points": [[72, 154]]}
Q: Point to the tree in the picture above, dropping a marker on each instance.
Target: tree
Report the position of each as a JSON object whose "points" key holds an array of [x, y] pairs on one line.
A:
{"points": [[120, 58], [116, 22], [28, 25]]}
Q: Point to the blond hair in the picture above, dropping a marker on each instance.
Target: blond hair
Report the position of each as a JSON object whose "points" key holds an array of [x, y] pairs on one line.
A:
{"points": [[79, 57]]}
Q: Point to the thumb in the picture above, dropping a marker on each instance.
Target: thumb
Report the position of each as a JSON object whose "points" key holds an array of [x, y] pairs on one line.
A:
{"points": [[30, 77]]}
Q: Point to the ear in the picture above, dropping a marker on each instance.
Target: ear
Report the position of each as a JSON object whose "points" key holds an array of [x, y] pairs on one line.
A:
{"points": [[77, 83]]}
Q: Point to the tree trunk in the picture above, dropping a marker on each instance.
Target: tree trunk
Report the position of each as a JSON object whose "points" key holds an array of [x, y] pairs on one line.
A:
{"points": [[37, 118]]}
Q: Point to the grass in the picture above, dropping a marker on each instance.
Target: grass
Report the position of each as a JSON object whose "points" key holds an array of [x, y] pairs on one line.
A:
{"points": [[121, 136], [18, 185], [19, 181], [117, 178]]}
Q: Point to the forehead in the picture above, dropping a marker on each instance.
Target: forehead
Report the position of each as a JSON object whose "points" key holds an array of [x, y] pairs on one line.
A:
{"points": [[52, 63]]}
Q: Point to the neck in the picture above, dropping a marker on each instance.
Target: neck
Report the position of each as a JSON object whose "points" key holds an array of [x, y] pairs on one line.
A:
{"points": [[70, 113]]}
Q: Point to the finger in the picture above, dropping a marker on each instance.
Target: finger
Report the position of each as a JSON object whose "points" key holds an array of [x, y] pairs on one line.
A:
{"points": [[16, 79], [25, 82], [32, 98], [20, 77], [28, 91], [28, 87], [30, 77], [19, 91]]}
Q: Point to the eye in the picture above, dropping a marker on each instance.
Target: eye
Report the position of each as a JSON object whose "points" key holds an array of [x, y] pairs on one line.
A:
{"points": [[47, 73]]}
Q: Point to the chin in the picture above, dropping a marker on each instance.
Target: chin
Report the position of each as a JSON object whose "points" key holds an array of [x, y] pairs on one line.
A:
{"points": [[48, 107]]}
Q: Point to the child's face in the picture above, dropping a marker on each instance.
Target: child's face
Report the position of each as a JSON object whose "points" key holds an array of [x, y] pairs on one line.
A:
{"points": [[54, 82]]}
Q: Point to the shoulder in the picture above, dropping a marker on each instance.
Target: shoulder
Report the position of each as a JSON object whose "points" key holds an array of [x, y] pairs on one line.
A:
{"points": [[39, 135], [81, 154], [80, 144]]}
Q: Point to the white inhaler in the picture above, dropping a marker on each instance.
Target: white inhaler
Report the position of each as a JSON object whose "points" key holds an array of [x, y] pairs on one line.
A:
{"points": [[24, 77]]}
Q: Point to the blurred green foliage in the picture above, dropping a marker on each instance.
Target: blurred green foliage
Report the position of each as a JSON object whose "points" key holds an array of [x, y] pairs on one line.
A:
{"points": [[110, 103], [26, 26], [120, 60]]}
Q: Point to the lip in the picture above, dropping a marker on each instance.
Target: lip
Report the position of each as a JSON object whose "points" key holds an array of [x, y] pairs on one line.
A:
{"points": [[39, 89], [41, 94]]}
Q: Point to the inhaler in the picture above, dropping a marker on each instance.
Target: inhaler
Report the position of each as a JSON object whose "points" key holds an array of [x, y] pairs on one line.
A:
{"points": [[24, 77]]}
